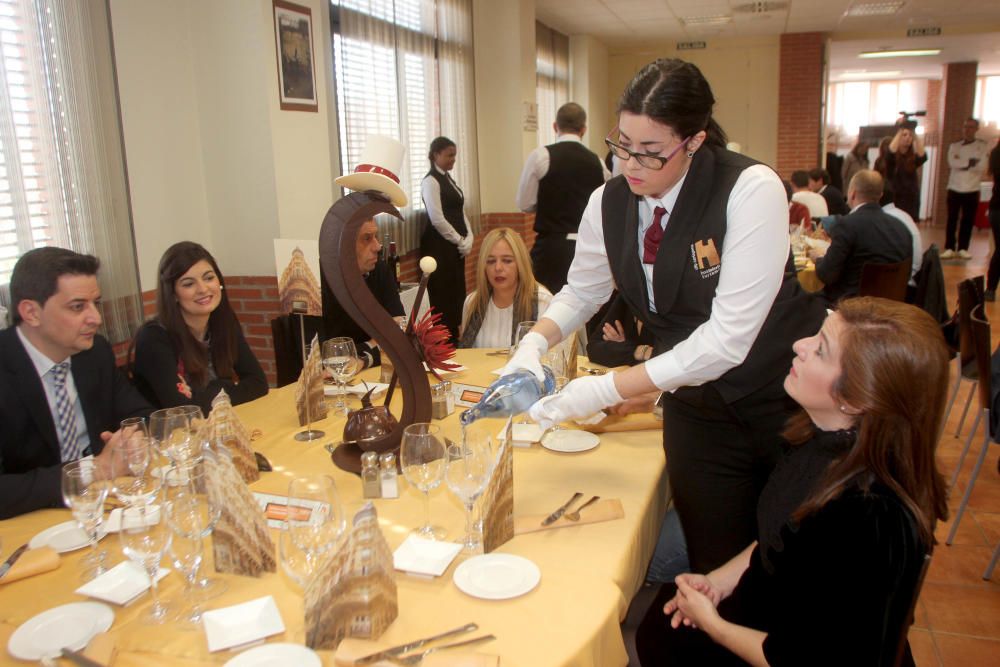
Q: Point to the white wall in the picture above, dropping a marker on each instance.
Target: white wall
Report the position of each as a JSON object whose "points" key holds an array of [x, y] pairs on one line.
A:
{"points": [[588, 87]]}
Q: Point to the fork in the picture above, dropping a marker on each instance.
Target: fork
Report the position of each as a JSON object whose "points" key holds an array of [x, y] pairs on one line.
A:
{"points": [[575, 514], [416, 658]]}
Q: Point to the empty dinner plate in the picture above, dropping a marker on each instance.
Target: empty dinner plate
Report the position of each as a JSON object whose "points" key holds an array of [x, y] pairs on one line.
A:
{"points": [[497, 576], [63, 537], [276, 655], [566, 440], [69, 626]]}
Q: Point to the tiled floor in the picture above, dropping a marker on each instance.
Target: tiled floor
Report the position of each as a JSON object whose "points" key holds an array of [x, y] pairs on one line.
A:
{"points": [[958, 614]]}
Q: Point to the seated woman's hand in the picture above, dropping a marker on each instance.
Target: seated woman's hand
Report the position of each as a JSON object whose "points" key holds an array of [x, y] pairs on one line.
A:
{"points": [[615, 332], [697, 609], [695, 582]]}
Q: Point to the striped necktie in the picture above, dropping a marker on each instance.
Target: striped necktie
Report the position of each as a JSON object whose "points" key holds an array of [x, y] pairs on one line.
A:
{"points": [[66, 414]]}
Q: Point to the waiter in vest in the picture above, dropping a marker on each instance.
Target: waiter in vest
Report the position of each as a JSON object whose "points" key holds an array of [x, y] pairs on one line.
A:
{"points": [[448, 238], [696, 239], [556, 183]]}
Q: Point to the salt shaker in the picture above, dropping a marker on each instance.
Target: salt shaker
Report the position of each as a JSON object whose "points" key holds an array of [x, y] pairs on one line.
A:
{"points": [[386, 370], [370, 485], [442, 401], [388, 477]]}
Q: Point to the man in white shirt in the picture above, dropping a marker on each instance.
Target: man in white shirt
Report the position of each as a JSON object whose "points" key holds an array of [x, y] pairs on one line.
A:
{"points": [[556, 184], [801, 193], [911, 226], [967, 159]]}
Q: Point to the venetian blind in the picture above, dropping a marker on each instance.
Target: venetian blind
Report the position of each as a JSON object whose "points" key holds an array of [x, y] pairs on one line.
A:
{"points": [[551, 78]]}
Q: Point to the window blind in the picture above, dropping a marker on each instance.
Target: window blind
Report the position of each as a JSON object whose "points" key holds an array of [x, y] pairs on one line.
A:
{"points": [[551, 78]]}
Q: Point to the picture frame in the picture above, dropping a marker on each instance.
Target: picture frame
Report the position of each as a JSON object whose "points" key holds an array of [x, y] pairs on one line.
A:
{"points": [[294, 54]]}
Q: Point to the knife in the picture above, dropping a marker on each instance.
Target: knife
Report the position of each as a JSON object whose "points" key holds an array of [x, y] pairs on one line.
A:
{"points": [[13, 558], [404, 648], [79, 659], [562, 510]]}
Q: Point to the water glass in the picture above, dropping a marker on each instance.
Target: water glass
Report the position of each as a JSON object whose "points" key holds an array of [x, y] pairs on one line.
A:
{"points": [[467, 473], [422, 455], [523, 328], [314, 521], [340, 359], [145, 537], [174, 432], [187, 548], [133, 480], [84, 490], [191, 481]]}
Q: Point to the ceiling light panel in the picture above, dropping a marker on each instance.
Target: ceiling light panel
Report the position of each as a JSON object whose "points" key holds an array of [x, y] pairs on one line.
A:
{"points": [[862, 9]]}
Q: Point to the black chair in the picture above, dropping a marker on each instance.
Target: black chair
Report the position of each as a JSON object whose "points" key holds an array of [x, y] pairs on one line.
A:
{"points": [[980, 334], [970, 295], [929, 293], [885, 280], [288, 344], [901, 645]]}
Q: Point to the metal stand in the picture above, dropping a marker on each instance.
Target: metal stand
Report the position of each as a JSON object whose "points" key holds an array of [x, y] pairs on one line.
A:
{"points": [[310, 433]]}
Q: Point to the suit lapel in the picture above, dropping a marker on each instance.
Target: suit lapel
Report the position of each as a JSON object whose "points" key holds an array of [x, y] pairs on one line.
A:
{"points": [[31, 391]]}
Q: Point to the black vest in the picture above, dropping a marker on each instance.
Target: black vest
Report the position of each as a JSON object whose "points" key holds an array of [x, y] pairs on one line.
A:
{"points": [[574, 173], [687, 267], [452, 202]]}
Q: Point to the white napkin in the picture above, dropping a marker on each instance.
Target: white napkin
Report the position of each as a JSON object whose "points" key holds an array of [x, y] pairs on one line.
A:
{"points": [[121, 584], [424, 557], [242, 623], [358, 389]]}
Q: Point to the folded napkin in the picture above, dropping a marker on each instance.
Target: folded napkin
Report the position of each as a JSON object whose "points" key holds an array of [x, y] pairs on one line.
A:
{"points": [[32, 562], [101, 649], [352, 649], [603, 510]]}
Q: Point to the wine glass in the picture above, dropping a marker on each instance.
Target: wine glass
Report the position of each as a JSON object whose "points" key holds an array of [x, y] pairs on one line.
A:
{"points": [[191, 481], [422, 455], [132, 480], [556, 359], [174, 430], [84, 490], [187, 548], [145, 537], [468, 470], [523, 328], [340, 358], [314, 519]]}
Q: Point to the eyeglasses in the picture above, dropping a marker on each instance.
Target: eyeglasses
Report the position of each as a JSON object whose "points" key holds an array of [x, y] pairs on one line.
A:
{"points": [[655, 162]]}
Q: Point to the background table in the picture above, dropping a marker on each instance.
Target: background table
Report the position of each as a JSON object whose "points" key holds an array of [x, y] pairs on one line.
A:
{"points": [[589, 572]]}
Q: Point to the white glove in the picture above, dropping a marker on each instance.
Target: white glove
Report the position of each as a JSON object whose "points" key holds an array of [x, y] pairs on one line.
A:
{"points": [[528, 356], [465, 245], [580, 399]]}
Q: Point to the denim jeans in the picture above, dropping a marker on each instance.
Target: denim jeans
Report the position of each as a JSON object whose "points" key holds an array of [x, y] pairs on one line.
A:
{"points": [[670, 556]]}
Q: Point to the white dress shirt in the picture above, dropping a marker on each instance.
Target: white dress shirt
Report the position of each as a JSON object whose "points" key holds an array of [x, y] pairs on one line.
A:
{"points": [[499, 322], [918, 246], [430, 191], [535, 169], [43, 366], [962, 177], [754, 253], [813, 201]]}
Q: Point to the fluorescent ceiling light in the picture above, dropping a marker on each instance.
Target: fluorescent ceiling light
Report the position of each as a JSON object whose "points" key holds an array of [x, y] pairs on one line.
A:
{"points": [[706, 20], [875, 8], [883, 74], [899, 53]]}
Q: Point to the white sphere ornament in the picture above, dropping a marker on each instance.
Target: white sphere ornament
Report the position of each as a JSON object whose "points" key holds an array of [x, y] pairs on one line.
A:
{"points": [[428, 264]]}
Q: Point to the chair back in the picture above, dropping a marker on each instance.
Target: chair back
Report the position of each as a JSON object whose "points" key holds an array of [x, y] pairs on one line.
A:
{"points": [[980, 327], [970, 295], [885, 280], [908, 618]]}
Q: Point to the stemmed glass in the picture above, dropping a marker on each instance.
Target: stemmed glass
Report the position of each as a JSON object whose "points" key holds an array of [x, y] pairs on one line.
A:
{"points": [[187, 548], [523, 328], [558, 361], [468, 470], [191, 482], [174, 430], [314, 524], [145, 537], [422, 455], [340, 358], [84, 490], [132, 480]]}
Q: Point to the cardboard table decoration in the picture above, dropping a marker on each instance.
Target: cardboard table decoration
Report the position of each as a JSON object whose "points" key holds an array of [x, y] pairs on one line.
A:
{"points": [[309, 399], [498, 498], [223, 427]]}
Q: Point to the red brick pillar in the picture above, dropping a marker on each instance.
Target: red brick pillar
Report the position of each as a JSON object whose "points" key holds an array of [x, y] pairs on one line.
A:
{"points": [[958, 95], [800, 101]]}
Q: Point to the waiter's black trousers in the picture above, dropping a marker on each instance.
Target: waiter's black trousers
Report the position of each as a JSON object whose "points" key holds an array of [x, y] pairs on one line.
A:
{"points": [[446, 286], [961, 216], [719, 457], [551, 256]]}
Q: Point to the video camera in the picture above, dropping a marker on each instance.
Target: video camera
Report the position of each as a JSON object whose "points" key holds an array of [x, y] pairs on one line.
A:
{"points": [[907, 119]]}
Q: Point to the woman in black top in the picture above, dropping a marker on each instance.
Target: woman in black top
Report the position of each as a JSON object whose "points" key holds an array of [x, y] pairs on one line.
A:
{"points": [[844, 521], [993, 275], [448, 236], [903, 160], [194, 348]]}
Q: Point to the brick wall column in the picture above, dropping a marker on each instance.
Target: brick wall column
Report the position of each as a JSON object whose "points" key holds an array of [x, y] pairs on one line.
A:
{"points": [[800, 101], [958, 95]]}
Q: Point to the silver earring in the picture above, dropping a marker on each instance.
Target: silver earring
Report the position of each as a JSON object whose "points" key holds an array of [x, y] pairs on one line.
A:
{"points": [[843, 408], [690, 153]]}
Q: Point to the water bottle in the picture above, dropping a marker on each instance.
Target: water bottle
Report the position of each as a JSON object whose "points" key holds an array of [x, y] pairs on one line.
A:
{"points": [[510, 395]]}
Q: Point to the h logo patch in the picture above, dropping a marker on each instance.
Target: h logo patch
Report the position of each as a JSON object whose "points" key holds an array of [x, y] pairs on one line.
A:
{"points": [[705, 258]]}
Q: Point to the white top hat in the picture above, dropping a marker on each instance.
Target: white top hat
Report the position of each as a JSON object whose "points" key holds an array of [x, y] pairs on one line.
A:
{"points": [[378, 169]]}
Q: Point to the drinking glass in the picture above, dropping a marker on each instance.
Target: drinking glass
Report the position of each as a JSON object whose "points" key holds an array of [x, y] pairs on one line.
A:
{"points": [[422, 455], [340, 358], [145, 537], [84, 490], [187, 548], [468, 470], [133, 480], [191, 481], [134, 424], [523, 328], [314, 519], [174, 432]]}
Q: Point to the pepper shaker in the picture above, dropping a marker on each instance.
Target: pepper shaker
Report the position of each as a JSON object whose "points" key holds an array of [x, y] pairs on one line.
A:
{"points": [[370, 485], [388, 476]]}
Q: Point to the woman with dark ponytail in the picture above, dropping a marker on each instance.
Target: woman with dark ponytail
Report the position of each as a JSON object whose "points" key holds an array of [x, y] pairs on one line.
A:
{"points": [[695, 237], [448, 236]]}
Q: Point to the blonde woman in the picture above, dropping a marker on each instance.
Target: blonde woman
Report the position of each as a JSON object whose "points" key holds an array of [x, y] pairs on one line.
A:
{"points": [[506, 292]]}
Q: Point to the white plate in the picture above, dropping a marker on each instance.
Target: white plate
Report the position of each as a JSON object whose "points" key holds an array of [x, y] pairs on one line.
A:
{"points": [[424, 557], [63, 537], [69, 626], [276, 655], [566, 440], [242, 623], [523, 434], [497, 576], [121, 584]]}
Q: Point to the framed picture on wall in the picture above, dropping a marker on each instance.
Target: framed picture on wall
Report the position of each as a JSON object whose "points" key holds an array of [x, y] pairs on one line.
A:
{"points": [[296, 65]]}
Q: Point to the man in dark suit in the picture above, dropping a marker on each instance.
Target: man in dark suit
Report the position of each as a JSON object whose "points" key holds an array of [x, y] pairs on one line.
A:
{"points": [[867, 234], [61, 396], [819, 182]]}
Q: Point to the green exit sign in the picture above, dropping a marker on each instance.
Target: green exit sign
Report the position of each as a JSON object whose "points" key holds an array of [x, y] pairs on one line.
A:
{"points": [[687, 46], [923, 32]]}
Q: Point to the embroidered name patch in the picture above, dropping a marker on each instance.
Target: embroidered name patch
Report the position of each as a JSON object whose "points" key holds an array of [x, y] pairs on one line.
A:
{"points": [[705, 258]]}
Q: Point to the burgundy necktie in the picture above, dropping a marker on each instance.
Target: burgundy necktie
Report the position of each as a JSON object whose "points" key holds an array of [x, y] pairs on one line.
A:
{"points": [[651, 241]]}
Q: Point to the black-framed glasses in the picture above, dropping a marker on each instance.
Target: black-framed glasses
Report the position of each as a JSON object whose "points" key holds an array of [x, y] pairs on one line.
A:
{"points": [[655, 162]]}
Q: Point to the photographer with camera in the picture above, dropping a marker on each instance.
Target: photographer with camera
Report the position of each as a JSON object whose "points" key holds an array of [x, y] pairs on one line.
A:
{"points": [[967, 160], [906, 155]]}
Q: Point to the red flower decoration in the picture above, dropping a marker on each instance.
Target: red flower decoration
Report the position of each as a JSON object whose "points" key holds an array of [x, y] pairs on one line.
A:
{"points": [[182, 386], [432, 341]]}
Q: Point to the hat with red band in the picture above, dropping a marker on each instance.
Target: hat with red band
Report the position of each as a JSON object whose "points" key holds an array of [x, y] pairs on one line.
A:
{"points": [[378, 169]]}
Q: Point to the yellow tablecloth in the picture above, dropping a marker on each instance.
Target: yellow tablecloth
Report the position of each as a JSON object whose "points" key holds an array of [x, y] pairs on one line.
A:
{"points": [[589, 572], [808, 279]]}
